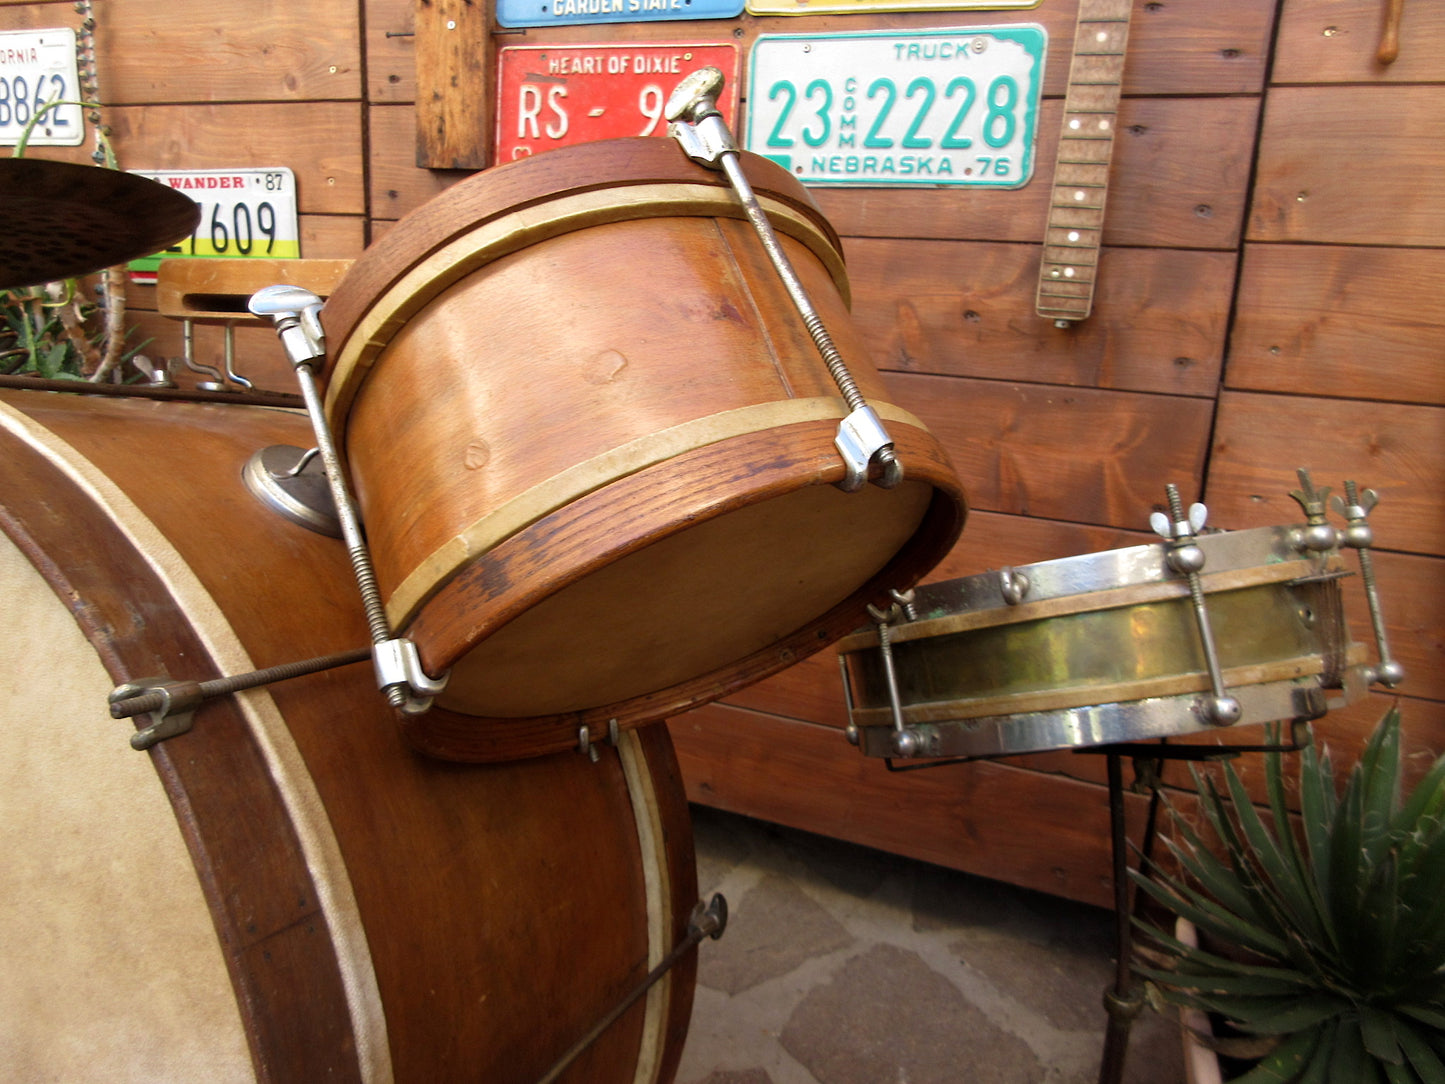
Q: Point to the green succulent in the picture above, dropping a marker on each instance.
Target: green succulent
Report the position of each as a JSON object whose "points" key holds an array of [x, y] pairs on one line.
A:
{"points": [[1340, 923]]}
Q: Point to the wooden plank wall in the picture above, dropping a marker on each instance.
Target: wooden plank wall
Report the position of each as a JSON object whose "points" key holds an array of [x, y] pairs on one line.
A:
{"points": [[1272, 262]]}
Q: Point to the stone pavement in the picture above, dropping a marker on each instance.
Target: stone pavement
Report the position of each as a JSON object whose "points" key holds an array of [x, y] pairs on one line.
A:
{"points": [[844, 965]]}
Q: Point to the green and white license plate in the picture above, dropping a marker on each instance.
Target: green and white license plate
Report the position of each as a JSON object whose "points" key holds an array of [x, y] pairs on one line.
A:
{"points": [[38, 67], [244, 212], [933, 107]]}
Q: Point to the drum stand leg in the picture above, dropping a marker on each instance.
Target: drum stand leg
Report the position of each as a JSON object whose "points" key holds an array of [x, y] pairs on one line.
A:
{"points": [[1124, 999]]}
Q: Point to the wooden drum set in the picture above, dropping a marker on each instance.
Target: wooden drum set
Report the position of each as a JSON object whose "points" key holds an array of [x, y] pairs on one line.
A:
{"points": [[608, 467], [617, 452]]}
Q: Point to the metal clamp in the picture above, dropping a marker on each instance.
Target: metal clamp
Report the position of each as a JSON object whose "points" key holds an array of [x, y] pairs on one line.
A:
{"points": [[398, 666], [1317, 536], [175, 715], [698, 127], [1186, 558], [1359, 535]]}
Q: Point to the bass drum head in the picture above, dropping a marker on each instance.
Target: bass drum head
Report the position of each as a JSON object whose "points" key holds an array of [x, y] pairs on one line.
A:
{"points": [[110, 956]]}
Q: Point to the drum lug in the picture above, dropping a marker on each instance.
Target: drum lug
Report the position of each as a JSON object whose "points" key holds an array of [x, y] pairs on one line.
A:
{"points": [[1360, 536], [176, 714], [399, 666], [1317, 536], [906, 742], [1186, 558], [698, 127]]}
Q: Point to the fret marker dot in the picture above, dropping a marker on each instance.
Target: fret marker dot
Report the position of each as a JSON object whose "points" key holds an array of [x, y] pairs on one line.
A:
{"points": [[1068, 272], [1073, 235], [1079, 196], [1102, 35], [1074, 123], [1103, 126]]}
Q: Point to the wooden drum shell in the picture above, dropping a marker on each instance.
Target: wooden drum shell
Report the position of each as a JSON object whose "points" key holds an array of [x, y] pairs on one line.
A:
{"points": [[557, 385], [380, 915]]}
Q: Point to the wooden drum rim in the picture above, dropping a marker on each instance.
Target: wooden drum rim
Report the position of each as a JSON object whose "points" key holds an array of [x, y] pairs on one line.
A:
{"points": [[653, 449], [355, 352]]}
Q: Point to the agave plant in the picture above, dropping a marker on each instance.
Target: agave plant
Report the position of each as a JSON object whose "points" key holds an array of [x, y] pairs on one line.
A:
{"points": [[1337, 926]]}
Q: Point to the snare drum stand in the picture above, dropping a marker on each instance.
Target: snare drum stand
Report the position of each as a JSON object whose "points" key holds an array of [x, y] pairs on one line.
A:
{"points": [[1124, 999]]}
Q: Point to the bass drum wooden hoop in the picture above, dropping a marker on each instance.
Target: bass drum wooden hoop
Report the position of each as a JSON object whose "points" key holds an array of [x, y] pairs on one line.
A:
{"points": [[593, 443], [1105, 647], [286, 892]]}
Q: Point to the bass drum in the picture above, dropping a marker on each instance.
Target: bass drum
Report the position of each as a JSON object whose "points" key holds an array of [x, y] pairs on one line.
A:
{"points": [[286, 892]]}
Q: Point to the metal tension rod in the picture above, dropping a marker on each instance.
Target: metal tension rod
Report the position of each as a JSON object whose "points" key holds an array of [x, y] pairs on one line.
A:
{"points": [[297, 315], [704, 136], [708, 920]]}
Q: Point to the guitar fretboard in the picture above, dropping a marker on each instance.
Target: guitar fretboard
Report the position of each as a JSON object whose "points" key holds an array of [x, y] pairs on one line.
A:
{"points": [[1081, 174]]}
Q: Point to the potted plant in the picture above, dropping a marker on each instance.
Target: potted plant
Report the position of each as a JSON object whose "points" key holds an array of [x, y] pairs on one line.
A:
{"points": [[1325, 938]]}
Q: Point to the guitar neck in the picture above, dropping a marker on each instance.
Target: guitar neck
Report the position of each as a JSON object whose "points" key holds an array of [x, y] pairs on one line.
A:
{"points": [[1070, 265]]}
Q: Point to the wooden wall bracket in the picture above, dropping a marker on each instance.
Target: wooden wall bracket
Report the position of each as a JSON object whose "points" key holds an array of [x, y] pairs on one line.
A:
{"points": [[455, 72]]}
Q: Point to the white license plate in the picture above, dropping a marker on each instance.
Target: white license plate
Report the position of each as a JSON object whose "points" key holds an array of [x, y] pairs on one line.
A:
{"points": [[244, 212], [38, 67], [935, 107]]}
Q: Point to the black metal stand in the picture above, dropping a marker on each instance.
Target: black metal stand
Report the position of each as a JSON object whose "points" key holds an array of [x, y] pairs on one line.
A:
{"points": [[1124, 1000]]}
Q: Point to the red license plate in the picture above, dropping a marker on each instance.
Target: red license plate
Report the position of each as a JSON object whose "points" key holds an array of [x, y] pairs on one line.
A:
{"points": [[551, 96]]}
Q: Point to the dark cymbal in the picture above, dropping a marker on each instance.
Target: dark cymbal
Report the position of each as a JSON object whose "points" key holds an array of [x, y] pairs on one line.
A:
{"points": [[59, 220]]}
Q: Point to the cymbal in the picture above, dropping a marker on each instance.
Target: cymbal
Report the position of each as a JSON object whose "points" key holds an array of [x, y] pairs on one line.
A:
{"points": [[63, 220]]}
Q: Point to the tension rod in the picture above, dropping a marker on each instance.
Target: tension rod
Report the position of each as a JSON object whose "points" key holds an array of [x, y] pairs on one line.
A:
{"points": [[708, 920]]}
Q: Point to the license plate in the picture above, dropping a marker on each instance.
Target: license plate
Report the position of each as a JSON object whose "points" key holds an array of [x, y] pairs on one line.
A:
{"points": [[560, 12], [936, 107], [244, 212], [38, 67], [552, 96]]}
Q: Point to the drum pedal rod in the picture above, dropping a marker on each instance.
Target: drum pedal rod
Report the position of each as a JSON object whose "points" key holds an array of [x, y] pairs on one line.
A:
{"points": [[707, 920], [296, 313], [698, 127]]}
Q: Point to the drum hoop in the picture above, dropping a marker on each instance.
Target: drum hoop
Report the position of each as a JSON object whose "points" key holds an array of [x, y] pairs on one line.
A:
{"points": [[1086, 696], [1091, 601], [526, 226], [563, 488], [290, 777]]}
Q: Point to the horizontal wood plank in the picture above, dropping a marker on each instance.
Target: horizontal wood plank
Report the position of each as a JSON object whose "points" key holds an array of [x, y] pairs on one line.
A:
{"points": [[390, 51], [1337, 41], [1179, 179], [1341, 321], [1396, 450], [1075, 454], [293, 52], [319, 141], [967, 309], [1351, 165], [1045, 832]]}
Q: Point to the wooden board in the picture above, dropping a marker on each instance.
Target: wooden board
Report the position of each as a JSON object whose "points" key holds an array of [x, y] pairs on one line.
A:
{"points": [[966, 309], [1336, 41], [454, 97], [1351, 165], [1396, 449], [1075, 454], [1348, 322]]}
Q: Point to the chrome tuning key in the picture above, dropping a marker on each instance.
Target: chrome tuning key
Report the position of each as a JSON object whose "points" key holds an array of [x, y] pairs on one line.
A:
{"points": [[1360, 536], [1184, 557]]}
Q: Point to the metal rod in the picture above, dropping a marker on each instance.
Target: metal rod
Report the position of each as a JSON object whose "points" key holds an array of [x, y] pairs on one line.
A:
{"points": [[223, 686], [147, 391], [709, 921]]}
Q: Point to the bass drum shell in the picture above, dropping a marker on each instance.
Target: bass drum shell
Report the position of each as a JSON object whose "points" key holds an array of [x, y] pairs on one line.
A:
{"points": [[287, 892], [593, 441]]}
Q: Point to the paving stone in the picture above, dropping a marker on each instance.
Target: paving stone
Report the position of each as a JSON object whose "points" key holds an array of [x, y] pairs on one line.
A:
{"points": [[1061, 981], [771, 930], [723, 842], [746, 1076], [887, 1016]]}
